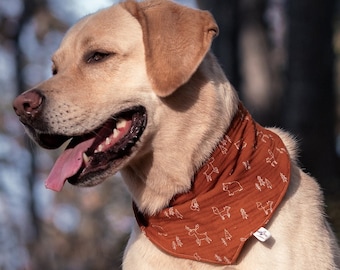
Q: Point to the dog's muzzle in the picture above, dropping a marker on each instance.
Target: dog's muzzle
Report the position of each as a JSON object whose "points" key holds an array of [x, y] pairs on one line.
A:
{"points": [[88, 156]]}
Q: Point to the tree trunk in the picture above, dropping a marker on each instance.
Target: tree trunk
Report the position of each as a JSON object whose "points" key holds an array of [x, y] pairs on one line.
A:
{"points": [[309, 109], [225, 46], [28, 12]]}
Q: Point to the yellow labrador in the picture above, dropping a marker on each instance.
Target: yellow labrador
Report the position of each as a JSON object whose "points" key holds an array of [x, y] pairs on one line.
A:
{"points": [[136, 89]]}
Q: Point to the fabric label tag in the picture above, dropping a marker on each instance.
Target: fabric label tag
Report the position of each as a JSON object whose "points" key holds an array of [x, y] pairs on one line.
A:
{"points": [[262, 234]]}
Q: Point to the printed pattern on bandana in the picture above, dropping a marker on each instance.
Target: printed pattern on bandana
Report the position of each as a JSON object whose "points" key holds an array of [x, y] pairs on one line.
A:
{"points": [[233, 194]]}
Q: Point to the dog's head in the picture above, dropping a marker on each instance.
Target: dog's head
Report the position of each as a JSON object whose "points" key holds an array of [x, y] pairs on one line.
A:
{"points": [[109, 67]]}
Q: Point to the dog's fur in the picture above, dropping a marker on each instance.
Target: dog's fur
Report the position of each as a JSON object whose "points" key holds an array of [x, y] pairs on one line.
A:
{"points": [[158, 57]]}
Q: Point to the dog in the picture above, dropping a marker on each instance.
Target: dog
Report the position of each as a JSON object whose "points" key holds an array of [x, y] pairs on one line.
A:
{"points": [[136, 89]]}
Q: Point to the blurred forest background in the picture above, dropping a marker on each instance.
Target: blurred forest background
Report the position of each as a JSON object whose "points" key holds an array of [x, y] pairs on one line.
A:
{"points": [[281, 55]]}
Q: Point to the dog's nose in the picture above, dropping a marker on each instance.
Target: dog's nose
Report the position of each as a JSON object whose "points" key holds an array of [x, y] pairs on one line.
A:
{"points": [[28, 104]]}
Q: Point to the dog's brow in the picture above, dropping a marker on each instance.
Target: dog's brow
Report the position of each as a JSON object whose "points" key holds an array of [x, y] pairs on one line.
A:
{"points": [[87, 41], [55, 58]]}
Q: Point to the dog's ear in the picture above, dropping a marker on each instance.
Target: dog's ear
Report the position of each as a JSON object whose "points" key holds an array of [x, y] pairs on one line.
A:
{"points": [[176, 39]]}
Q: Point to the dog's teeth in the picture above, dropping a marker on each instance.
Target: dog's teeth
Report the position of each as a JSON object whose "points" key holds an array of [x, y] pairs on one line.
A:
{"points": [[121, 123], [100, 148], [115, 133], [86, 159], [107, 141]]}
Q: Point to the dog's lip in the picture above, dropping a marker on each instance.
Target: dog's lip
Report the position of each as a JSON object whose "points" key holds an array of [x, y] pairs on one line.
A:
{"points": [[89, 155], [45, 139], [52, 141]]}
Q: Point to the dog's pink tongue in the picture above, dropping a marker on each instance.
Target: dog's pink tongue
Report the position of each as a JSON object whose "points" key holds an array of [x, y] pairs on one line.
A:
{"points": [[67, 165]]}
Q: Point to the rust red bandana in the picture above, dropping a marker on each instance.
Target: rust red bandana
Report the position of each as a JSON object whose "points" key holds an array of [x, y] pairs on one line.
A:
{"points": [[233, 195]]}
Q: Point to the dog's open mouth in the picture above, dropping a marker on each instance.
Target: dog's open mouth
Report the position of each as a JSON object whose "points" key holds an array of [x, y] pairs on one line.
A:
{"points": [[89, 155]]}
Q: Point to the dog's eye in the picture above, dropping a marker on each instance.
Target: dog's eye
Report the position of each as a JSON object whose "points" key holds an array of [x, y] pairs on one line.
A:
{"points": [[96, 57]]}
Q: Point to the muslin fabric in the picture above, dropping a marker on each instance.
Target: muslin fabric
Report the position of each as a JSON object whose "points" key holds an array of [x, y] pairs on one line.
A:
{"points": [[233, 194]]}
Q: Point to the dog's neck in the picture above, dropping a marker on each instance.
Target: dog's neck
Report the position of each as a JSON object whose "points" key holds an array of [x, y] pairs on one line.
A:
{"points": [[235, 193], [198, 114]]}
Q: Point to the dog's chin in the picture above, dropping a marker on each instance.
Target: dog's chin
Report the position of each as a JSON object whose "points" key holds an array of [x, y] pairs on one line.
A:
{"points": [[91, 158]]}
